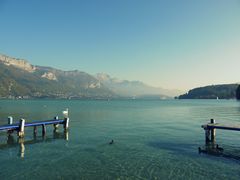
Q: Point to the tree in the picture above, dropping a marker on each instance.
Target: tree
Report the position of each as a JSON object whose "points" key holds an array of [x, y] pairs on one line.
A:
{"points": [[238, 92]]}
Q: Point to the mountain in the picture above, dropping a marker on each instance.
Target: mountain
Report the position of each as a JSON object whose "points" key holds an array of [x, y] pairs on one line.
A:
{"points": [[134, 88], [18, 78], [223, 91]]}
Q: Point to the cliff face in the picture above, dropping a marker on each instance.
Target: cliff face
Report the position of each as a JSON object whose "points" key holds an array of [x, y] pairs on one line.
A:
{"points": [[18, 63]]}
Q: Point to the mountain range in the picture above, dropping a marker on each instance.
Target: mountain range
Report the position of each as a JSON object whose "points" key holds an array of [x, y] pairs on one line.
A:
{"points": [[20, 79]]}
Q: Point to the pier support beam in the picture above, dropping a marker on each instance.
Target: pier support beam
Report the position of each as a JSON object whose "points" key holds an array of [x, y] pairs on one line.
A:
{"points": [[43, 130], [21, 127]]}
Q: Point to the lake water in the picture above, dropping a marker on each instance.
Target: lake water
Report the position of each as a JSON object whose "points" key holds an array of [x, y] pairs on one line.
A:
{"points": [[152, 140]]}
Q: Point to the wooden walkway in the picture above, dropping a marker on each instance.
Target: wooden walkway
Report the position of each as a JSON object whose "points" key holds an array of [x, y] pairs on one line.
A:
{"points": [[20, 127]]}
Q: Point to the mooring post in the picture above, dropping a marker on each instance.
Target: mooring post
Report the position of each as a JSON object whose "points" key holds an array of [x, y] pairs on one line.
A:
{"points": [[21, 128], [213, 131], [43, 130], [66, 123], [55, 125]]}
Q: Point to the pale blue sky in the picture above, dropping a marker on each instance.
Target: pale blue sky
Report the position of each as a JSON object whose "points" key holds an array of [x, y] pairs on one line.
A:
{"points": [[178, 44]]}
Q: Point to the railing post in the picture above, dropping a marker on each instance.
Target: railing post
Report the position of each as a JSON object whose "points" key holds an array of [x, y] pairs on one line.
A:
{"points": [[21, 128]]}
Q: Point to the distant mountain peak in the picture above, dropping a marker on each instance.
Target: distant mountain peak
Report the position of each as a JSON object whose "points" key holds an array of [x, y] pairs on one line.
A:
{"points": [[103, 77]]}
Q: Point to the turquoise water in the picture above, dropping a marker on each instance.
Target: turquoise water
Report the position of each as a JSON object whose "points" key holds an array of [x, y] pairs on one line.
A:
{"points": [[152, 140]]}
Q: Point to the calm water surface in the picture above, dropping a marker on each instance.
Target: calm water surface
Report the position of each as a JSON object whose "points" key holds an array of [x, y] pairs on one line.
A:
{"points": [[152, 140]]}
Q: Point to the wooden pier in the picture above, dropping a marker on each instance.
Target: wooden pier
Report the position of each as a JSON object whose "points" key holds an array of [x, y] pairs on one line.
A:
{"points": [[20, 127], [210, 129]]}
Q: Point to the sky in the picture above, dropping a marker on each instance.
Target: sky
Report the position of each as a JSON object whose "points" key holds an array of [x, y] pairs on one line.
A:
{"points": [[174, 44]]}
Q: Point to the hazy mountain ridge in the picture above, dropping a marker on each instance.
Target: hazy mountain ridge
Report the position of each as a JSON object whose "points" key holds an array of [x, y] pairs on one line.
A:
{"points": [[133, 88]]}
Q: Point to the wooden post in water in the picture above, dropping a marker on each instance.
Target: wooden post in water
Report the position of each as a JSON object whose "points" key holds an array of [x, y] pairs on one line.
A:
{"points": [[55, 125], [66, 123], [213, 131], [21, 128], [43, 130]]}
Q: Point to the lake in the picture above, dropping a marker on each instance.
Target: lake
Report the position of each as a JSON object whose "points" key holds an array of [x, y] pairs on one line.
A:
{"points": [[152, 140]]}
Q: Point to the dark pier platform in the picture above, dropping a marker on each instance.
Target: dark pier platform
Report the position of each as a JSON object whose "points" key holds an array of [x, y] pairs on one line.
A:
{"points": [[210, 129]]}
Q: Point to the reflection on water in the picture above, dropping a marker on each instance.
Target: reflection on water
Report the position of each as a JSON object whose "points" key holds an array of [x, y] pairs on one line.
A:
{"points": [[60, 135], [214, 149], [12, 141], [22, 147]]}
